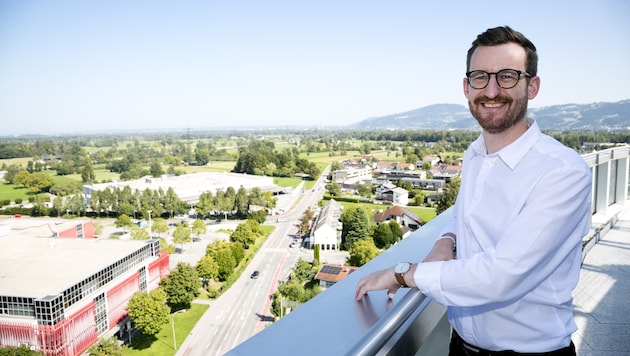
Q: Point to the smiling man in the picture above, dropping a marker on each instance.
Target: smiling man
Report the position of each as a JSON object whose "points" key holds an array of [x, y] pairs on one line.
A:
{"points": [[507, 264]]}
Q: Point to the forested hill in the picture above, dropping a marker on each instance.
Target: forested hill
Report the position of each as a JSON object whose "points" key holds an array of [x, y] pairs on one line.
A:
{"points": [[603, 116]]}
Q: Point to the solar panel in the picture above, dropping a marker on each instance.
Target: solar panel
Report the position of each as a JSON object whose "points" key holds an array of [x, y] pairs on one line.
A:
{"points": [[412, 214], [331, 269]]}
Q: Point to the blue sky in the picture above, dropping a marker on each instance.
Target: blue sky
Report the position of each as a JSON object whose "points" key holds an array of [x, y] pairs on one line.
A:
{"points": [[87, 66]]}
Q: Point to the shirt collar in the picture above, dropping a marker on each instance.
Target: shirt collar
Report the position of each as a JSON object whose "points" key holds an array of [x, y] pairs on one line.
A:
{"points": [[514, 152]]}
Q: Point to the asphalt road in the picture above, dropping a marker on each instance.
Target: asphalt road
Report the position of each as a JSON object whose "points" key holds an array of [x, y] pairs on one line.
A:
{"points": [[243, 310]]}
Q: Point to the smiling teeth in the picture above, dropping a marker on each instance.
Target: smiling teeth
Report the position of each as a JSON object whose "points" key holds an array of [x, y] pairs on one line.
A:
{"points": [[488, 105]]}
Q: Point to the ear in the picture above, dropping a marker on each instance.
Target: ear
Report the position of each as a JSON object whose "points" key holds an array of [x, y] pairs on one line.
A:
{"points": [[533, 87], [466, 89]]}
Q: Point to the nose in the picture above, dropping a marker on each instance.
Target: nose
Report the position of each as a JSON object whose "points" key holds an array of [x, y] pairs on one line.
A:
{"points": [[492, 89]]}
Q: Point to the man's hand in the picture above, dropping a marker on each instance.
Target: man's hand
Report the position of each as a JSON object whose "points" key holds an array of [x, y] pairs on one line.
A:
{"points": [[379, 280], [442, 251]]}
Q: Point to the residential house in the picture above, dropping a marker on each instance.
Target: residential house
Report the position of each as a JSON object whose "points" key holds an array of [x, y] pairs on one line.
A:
{"points": [[330, 274], [407, 220], [396, 196], [326, 231], [446, 172]]}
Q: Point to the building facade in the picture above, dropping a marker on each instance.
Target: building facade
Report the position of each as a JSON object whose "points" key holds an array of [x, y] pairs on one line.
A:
{"points": [[59, 295]]}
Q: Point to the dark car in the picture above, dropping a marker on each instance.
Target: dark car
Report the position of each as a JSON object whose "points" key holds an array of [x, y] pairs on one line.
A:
{"points": [[254, 275]]}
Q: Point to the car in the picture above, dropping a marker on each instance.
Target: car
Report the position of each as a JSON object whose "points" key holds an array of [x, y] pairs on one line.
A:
{"points": [[254, 275]]}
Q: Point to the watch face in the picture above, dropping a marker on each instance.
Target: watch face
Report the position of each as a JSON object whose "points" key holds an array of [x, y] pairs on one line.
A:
{"points": [[402, 267]]}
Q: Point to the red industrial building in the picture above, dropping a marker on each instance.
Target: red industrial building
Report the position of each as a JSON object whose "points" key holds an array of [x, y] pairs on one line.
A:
{"points": [[61, 288]]}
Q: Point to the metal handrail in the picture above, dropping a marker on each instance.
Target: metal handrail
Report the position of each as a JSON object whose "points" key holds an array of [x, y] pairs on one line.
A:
{"points": [[381, 332]]}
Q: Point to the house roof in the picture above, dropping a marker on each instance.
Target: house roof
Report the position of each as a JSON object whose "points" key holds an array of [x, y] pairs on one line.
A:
{"points": [[334, 273], [329, 215], [396, 211]]}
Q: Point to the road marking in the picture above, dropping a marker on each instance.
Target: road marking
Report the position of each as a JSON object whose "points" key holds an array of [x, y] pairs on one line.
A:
{"points": [[272, 287]]}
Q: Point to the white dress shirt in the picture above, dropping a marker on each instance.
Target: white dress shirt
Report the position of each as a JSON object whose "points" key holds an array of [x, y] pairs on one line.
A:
{"points": [[520, 217]]}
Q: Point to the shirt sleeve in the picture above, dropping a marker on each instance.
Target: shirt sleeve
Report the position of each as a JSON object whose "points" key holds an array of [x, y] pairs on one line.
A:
{"points": [[537, 242]]}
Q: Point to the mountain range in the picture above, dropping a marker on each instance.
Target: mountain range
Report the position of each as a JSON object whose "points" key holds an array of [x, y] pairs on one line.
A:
{"points": [[603, 116]]}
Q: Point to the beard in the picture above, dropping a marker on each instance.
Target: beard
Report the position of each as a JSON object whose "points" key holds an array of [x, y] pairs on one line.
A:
{"points": [[493, 123]]}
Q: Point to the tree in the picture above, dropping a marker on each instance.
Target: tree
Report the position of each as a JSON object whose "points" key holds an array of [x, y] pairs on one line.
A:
{"points": [[222, 254], [365, 190], [205, 204], [87, 173], [316, 254], [181, 235], [156, 169], [303, 271], [138, 233], [333, 189], [11, 171], [199, 227], [357, 225], [223, 202], [202, 156], [107, 347], [448, 197], [259, 216], [165, 246], [397, 232], [246, 233], [293, 290], [362, 252], [22, 178], [159, 226], [57, 206], [171, 201], [181, 285], [241, 202], [148, 311], [383, 236], [39, 206], [22, 350], [305, 221], [40, 181], [208, 268], [123, 221]]}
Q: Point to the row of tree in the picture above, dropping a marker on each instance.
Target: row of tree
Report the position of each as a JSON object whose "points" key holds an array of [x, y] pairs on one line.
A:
{"points": [[260, 157]]}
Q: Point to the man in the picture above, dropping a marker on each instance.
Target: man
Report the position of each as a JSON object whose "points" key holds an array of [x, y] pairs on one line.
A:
{"points": [[506, 265]]}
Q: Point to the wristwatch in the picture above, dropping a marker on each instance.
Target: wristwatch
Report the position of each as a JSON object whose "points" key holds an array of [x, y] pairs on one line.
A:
{"points": [[400, 270]]}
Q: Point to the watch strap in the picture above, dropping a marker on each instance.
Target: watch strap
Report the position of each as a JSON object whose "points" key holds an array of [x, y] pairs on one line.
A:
{"points": [[400, 277]]}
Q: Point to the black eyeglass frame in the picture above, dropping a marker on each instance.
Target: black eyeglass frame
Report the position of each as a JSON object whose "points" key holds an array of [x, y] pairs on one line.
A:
{"points": [[496, 77]]}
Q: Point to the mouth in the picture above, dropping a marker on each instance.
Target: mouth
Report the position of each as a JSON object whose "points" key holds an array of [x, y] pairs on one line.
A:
{"points": [[492, 105]]}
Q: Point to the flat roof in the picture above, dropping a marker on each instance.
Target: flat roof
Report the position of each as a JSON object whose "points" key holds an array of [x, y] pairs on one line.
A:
{"points": [[35, 265]]}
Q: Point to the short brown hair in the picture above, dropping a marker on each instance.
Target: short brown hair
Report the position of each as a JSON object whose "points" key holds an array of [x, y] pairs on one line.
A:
{"points": [[501, 35]]}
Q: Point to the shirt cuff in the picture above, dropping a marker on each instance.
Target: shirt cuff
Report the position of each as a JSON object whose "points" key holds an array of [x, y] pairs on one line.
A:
{"points": [[427, 277]]}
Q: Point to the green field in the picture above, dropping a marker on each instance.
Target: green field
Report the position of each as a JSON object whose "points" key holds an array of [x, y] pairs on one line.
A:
{"points": [[426, 214], [10, 191]]}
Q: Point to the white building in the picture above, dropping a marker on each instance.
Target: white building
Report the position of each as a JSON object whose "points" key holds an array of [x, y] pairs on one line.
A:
{"points": [[326, 231]]}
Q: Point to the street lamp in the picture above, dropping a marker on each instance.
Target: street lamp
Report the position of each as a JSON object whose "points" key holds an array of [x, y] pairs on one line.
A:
{"points": [[149, 211], [173, 326]]}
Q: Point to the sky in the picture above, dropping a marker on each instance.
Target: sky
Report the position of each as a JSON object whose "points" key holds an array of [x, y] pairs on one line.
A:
{"points": [[92, 66]]}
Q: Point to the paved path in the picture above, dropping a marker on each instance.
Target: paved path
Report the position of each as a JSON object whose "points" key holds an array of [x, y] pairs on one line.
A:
{"points": [[602, 297]]}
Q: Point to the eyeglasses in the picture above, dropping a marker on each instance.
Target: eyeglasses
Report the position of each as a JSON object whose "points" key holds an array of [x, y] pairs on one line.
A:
{"points": [[506, 78]]}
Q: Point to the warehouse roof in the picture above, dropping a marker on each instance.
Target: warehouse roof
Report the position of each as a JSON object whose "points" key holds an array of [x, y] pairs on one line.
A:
{"points": [[33, 264]]}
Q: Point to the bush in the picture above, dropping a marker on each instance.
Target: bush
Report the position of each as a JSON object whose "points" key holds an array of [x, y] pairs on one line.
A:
{"points": [[18, 200], [5, 202]]}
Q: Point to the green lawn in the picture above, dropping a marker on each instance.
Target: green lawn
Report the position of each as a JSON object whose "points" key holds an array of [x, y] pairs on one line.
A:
{"points": [[215, 166], [10, 191], [426, 214], [162, 343]]}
